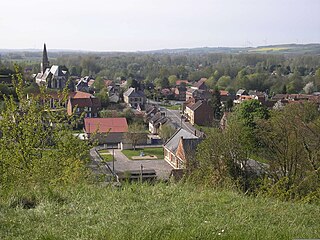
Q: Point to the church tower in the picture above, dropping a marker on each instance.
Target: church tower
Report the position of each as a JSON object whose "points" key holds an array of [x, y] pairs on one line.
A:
{"points": [[45, 61]]}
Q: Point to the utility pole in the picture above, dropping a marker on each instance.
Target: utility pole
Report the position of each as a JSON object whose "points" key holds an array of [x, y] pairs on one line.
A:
{"points": [[113, 159]]}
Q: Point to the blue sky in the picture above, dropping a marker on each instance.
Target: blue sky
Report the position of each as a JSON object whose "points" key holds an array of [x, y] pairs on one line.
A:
{"points": [[131, 25]]}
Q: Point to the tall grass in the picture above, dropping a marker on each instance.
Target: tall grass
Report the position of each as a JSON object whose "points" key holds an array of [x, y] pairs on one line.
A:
{"points": [[162, 211]]}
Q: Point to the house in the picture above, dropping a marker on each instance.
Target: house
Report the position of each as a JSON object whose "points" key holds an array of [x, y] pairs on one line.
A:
{"points": [[180, 93], [199, 113], [83, 102], [83, 84], [200, 85], [260, 96], [54, 77], [198, 94], [134, 98], [156, 121], [182, 82], [106, 130], [150, 111], [180, 149]]}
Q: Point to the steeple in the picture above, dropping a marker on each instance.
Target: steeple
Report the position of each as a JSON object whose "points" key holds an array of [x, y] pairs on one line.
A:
{"points": [[45, 61]]}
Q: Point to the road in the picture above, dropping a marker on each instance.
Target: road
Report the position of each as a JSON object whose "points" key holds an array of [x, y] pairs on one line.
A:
{"points": [[175, 117], [123, 164]]}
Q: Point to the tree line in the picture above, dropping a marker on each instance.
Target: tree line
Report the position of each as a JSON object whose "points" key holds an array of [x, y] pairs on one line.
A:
{"points": [[261, 151]]}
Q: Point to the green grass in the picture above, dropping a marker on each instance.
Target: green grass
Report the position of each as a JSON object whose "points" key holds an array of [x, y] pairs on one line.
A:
{"points": [[174, 107], [147, 151], [156, 212], [105, 154], [171, 107]]}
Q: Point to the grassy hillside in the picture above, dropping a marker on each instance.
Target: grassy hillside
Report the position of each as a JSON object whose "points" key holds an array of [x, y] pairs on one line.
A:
{"points": [[155, 212]]}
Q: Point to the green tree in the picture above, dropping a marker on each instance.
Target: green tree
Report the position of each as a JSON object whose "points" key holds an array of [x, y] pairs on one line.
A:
{"points": [[166, 131], [37, 146], [291, 145], [216, 104], [103, 97], [223, 82], [135, 133], [98, 84], [172, 80]]}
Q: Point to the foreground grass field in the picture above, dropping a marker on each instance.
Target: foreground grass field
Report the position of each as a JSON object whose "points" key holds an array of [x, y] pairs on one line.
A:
{"points": [[155, 212], [147, 151]]}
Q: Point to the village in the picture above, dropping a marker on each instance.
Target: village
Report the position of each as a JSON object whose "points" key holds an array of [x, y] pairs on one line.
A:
{"points": [[148, 136]]}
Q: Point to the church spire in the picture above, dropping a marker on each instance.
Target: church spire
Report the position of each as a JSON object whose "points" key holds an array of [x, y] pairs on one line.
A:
{"points": [[45, 60]]}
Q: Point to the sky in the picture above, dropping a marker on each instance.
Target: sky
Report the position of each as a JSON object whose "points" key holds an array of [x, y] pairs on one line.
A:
{"points": [[137, 25]]}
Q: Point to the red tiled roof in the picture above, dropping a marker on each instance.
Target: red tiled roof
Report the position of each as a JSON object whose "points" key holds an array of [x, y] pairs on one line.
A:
{"points": [[108, 82], [79, 94], [224, 93], [90, 82], [178, 82], [106, 125]]}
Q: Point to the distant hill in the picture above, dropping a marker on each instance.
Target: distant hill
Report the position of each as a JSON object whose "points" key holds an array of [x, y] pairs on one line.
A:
{"points": [[313, 49], [287, 49], [294, 49]]}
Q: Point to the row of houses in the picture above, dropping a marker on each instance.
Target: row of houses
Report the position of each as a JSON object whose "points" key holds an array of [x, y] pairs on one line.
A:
{"points": [[277, 101]]}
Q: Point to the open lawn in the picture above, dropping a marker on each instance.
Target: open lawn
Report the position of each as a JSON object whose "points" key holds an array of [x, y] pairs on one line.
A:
{"points": [[147, 151], [105, 154], [160, 211]]}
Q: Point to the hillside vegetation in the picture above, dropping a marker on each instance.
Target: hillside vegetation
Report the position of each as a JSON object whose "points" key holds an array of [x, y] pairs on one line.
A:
{"points": [[141, 211]]}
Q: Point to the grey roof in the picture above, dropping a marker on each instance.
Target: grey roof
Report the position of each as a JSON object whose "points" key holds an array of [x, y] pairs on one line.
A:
{"points": [[189, 147], [132, 92], [241, 92], [173, 142], [114, 98], [195, 105]]}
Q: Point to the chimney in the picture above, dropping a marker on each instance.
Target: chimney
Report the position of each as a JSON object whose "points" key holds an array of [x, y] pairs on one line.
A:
{"points": [[195, 132]]}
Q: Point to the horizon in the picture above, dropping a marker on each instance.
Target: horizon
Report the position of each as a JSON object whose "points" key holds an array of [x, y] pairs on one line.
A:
{"points": [[141, 25], [151, 50]]}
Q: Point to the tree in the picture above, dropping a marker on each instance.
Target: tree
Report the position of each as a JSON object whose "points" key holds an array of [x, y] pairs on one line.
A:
{"points": [[291, 145], [135, 133], [284, 89], [166, 131], [229, 105], [37, 146], [103, 97], [250, 111], [216, 105], [172, 80], [223, 82], [246, 115], [98, 84], [309, 88]]}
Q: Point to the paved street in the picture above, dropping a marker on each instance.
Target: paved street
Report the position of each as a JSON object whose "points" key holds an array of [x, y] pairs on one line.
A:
{"points": [[122, 164], [175, 117]]}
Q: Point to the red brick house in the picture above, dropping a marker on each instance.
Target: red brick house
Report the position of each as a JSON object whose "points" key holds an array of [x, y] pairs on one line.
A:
{"points": [[180, 149], [83, 102], [199, 113]]}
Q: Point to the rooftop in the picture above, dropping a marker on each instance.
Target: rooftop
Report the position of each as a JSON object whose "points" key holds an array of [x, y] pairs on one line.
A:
{"points": [[106, 125]]}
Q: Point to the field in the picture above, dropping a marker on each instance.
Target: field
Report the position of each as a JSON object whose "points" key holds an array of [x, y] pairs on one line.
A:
{"points": [[147, 151], [160, 211], [269, 49]]}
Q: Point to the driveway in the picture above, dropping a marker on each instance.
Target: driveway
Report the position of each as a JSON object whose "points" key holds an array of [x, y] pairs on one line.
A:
{"points": [[122, 164]]}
